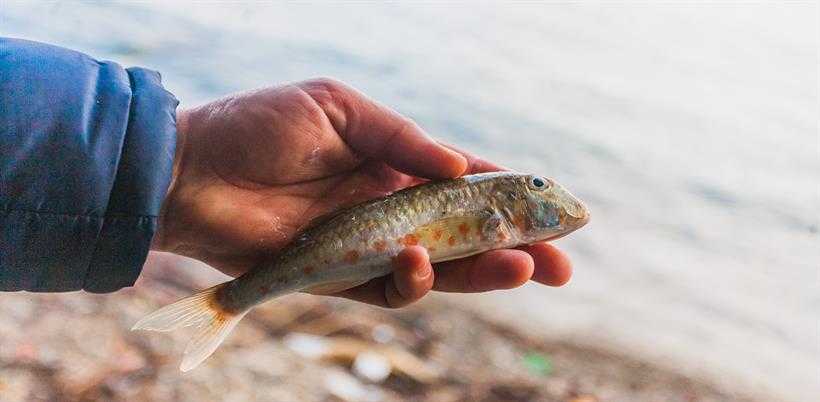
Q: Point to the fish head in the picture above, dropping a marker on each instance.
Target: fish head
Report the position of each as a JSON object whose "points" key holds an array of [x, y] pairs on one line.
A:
{"points": [[545, 210]]}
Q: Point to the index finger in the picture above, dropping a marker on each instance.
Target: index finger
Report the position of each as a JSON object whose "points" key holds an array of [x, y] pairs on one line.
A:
{"points": [[474, 163], [375, 131]]}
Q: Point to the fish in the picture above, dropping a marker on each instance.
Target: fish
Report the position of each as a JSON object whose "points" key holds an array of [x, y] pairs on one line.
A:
{"points": [[452, 219]]}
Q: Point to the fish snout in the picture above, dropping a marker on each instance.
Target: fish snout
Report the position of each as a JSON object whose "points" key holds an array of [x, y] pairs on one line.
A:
{"points": [[577, 211], [584, 217]]}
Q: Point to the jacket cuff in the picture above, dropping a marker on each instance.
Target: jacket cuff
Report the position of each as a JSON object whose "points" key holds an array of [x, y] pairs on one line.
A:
{"points": [[141, 183]]}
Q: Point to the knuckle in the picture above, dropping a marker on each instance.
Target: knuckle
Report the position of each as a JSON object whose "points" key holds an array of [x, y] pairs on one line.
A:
{"points": [[334, 98], [300, 100], [327, 86]]}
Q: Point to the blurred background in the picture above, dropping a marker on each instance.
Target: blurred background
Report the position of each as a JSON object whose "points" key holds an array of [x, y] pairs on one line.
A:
{"points": [[690, 131]]}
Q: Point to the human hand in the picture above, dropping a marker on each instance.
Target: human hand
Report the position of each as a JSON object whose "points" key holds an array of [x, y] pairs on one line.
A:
{"points": [[254, 168]]}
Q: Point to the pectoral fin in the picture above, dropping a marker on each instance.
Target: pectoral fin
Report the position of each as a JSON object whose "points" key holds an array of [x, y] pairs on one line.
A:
{"points": [[452, 231]]}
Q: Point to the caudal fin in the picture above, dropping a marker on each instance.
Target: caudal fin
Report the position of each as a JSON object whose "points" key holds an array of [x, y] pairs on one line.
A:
{"points": [[213, 324]]}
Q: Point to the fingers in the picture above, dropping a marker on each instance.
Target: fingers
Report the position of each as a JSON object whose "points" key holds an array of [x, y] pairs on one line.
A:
{"points": [[412, 278], [497, 269], [552, 266], [375, 131], [474, 163], [504, 269]]}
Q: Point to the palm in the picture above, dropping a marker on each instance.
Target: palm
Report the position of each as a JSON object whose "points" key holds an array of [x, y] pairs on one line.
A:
{"points": [[254, 169]]}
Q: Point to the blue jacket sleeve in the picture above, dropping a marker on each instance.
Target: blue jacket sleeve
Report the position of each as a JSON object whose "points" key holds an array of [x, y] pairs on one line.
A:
{"points": [[86, 153]]}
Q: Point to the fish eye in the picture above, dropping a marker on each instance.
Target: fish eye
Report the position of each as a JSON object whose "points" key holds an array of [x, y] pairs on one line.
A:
{"points": [[539, 183]]}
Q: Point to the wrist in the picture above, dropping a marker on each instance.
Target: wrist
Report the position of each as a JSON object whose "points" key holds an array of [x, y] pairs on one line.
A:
{"points": [[161, 240]]}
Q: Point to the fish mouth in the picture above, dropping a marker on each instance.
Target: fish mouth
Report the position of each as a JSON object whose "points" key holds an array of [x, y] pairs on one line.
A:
{"points": [[585, 216], [575, 221], [575, 208], [579, 212], [559, 235], [576, 224]]}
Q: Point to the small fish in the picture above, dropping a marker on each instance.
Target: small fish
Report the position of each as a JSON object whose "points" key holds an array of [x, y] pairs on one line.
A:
{"points": [[452, 219]]}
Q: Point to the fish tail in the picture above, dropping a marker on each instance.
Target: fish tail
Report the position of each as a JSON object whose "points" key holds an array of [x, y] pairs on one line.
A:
{"points": [[213, 323]]}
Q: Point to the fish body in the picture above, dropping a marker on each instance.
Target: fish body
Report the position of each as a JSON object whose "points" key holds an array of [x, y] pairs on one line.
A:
{"points": [[452, 219]]}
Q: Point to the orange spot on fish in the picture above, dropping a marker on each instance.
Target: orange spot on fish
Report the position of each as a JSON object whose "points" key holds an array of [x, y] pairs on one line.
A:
{"points": [[431, 249], [380, 245], [351, 256], [264, 289], [410, 240], [437, 234], [464, 229], [520, 221], [307, 270], [451, 241]]}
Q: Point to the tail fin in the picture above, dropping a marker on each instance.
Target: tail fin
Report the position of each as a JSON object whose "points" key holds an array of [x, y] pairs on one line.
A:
{"points": [[213, 324]]}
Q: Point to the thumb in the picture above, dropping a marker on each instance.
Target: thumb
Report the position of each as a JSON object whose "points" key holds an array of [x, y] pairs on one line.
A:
{"points": [[375, 131]]}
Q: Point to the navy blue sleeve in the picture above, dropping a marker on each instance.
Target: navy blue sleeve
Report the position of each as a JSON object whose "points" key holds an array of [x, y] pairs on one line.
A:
{"points": [[86, 153]]}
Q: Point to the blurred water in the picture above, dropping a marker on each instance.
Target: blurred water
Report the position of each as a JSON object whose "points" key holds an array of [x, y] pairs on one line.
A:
{"points": [[691, 131]]}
